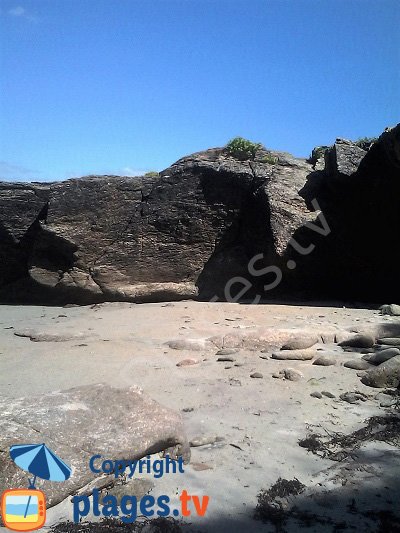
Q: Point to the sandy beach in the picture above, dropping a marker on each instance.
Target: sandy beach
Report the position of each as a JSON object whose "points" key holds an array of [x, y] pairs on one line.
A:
{"points": [[253, 424]]}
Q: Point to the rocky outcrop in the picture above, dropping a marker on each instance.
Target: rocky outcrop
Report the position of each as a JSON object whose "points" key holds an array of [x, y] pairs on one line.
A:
{"points": [[118, 424], [207, 220]]}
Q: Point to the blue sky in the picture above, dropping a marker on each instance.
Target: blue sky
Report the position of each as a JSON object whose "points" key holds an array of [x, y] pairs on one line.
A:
{"points": [[126, 86]]}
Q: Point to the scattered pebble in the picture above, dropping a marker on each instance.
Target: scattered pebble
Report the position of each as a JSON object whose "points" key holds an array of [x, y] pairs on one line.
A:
{"points": [[316, 394], [227, 351], [256, 375], [187, 362], [204, 441], [288, 373], [325, 360], [328, 394], [353, 397]]}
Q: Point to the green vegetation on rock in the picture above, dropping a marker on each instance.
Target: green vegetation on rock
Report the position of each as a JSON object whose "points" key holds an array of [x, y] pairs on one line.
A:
{"points": [[242, 149]]}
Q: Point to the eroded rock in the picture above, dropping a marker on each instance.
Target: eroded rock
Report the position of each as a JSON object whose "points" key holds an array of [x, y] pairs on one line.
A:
{"points": [[83, 421]]}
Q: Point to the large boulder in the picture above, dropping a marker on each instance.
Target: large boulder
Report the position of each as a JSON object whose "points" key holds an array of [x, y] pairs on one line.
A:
{"points": [[84, 421], [387, 374], [177, 235]]}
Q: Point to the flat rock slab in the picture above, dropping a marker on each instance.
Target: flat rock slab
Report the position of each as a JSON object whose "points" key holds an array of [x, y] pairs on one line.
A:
{"points": [[295, 355], [194, 345], [44, 336], [84, 421], [268, 338]]}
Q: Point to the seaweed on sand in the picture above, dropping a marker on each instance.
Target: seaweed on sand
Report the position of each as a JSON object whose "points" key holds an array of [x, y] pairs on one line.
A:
{"points": [[111, 525], [338, 446]]}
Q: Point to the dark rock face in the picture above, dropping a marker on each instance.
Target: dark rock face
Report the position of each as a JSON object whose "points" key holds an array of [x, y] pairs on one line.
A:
{"points": [[189, 231]]}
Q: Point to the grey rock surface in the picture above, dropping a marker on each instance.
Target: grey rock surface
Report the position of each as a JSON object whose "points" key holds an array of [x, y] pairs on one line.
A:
{"points": [[300, 355], [325, 360], [84, 421], [381, 356], [358, 364], [390, 309], [359, 341], [386, 374]]}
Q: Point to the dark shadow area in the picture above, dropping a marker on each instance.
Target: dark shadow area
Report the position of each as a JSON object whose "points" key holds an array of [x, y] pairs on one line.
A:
{"points": [[359, 258], [241, 208]]}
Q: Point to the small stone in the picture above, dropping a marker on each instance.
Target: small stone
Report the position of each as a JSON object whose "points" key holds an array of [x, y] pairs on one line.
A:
{"points": [[316, 394], [187, 362], [359, 341], [263, 356], [205, 440], [226, 358], [291, 374], [256, 375], [277, 375], [325, 360], [227, 351], [357, 364], [353, 397], [233, 382], [199, 467], [188, 409], [328, 394]]}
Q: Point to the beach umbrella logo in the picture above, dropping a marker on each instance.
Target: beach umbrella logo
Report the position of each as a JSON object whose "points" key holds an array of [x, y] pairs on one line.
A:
{"points": [[40, 461], [25, 510]]}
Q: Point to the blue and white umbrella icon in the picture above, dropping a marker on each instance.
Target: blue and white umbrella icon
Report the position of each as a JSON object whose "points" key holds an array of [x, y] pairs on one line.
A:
{"points": [[40, 461]]}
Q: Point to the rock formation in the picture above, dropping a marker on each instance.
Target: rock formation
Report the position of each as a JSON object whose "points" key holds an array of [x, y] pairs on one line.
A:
{"points": [[207, 219], [118, 424]]}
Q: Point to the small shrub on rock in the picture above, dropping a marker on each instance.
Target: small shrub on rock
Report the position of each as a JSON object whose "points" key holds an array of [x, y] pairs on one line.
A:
{"points": [[242, 149]]}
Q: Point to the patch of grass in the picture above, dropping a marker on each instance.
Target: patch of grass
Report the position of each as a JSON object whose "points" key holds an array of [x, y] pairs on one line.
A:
{"points": [[242, 149], [151, 174], [270, 159]]}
